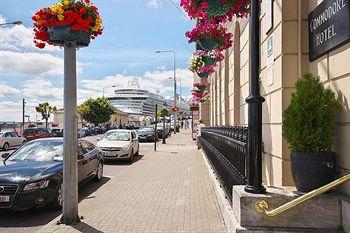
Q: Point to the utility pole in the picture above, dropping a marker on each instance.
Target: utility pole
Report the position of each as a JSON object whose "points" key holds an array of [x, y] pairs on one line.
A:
{"points": [[175, 97], [23, 114], [163, 139], [155, 128], [254, 100]]}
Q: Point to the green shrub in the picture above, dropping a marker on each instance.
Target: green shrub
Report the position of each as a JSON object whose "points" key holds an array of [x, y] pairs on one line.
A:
{"points": [[308, 122]]}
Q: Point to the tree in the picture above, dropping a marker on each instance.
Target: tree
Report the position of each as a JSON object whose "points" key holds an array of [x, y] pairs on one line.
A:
{"points": [[309, 120], [82, 111], [45, 110], [165, 111], [96, 111]]}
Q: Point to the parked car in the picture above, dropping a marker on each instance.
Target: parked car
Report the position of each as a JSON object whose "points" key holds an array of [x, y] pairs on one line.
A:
{"points": [[58, 132], [36, 133], [119, 144], [146, 134], [81, 133], [88, 131], [10, 139], [160, 129], [32, 175]]}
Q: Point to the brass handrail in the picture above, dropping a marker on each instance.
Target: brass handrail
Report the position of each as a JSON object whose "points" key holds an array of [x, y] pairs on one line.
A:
{"points": [[262, 206]]}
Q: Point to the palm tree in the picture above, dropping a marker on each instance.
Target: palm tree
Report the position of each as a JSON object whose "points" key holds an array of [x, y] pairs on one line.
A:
{"points": [[45, 110]]}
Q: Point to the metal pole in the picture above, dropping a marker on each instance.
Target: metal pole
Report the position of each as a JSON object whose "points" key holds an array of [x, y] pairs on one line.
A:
{"points": [[103, 92], [163, 142], [254, 100], [23, 112], [175, 120], [70, 170], [155, 128], [192, 123]]}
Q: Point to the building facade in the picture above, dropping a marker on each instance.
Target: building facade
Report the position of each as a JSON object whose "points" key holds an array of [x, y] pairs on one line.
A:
{"points": [[284, 58]]}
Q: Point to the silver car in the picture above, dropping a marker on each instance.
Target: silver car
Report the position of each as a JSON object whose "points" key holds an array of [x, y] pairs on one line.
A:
{"points": [[119, 144], [10, 140]]}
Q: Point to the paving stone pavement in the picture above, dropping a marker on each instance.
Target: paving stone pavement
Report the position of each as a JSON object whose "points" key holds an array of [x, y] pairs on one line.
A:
{"points": [[166, 191]]}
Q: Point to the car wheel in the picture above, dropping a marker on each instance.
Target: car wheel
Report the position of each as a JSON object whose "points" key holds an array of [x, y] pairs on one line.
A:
{"points": [[99, 172], [58, 202], [6, 146]]}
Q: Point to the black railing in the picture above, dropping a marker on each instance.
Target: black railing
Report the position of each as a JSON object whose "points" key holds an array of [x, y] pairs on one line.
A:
{"points": [[226, 148]]}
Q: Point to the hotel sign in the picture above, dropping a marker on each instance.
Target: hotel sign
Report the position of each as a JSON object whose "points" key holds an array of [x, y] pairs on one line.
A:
{"points": [[329, 27]]}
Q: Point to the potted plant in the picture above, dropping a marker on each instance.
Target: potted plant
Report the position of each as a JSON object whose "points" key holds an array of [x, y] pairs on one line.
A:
{"points": [[201, 86], [67, 21], [308, 127], [203, 62], [210, 36], [218, 9]]}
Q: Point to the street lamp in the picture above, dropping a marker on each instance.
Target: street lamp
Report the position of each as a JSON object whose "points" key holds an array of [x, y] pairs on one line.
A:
{"points": [[180, 85], [174, 53], [103, 90], [11, 23]]}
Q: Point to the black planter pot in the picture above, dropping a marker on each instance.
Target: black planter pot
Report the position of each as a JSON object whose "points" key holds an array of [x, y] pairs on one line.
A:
{"points": [[216, 8], [62, 34], [203, 74], [312, 170], [208, 44], [209, 61]]}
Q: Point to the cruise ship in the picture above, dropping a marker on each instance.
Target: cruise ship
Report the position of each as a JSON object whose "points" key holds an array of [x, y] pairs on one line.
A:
{"points": [[136, 101]]}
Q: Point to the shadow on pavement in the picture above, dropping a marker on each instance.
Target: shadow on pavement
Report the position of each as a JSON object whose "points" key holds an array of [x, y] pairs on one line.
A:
{"points": [[123, 162], [42, 216], [83, 227]]}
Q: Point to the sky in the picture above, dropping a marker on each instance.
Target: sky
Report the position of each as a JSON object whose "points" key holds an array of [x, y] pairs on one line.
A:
{"points": [[133, 31]]}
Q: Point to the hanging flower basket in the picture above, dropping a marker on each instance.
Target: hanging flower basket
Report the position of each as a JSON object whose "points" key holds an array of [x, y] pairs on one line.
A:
{"points": [[201, 86], [216, 10], [67, 21], [210, 36], [203, 62], [204, 79]]}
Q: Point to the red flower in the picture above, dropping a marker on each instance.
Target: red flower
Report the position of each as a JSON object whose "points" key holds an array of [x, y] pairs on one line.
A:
{"points": [[87, 1]]}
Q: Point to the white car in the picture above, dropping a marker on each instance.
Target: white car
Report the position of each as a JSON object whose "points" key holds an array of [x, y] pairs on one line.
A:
{"points": [[10, 140], [119, 144]]}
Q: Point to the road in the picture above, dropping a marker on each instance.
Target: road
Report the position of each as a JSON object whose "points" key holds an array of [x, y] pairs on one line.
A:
{"points": [[32, 220]]}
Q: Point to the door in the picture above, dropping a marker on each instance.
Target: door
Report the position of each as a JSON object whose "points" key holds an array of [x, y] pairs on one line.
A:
{"points": [[83, 164], [17, 141], [8, 139], [91, 157], [134, 142]]}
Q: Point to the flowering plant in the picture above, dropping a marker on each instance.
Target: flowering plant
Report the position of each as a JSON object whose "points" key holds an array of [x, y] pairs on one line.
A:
{"points": [[205, 98], [216, 9], [202, 61], [79, 16], [174, 108], [212, 32]]}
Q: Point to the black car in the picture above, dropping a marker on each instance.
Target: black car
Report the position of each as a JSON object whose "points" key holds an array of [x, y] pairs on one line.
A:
{"points": [[146, 134], [32, 175], [57, 132]]}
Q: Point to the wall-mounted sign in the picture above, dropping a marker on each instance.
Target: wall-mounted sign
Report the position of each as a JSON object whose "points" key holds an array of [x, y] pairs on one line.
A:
{"points": [[329, 27], [270, 54]]}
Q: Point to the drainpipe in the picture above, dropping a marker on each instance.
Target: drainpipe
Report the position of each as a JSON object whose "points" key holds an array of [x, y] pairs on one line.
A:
{"points": [[300, 28]]}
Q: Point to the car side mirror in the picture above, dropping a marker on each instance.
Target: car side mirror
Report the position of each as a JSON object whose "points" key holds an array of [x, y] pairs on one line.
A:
{"points": [[5, 155]]}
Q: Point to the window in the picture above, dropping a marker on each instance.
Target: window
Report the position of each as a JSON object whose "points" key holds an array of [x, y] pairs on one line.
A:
{"points": [[7, 135]]}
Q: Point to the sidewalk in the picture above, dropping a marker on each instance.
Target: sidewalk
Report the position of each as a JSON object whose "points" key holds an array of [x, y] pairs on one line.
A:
{"points": [[165, 191]]}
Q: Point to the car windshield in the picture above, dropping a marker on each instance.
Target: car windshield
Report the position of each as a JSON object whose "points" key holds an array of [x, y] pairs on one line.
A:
{"points": [[146, 129], [28, 131], [117, 136], [39, 151]]}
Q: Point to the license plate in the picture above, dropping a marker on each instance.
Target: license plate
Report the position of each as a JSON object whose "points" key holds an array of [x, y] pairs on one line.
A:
{"points": [[110, 154], [4, 198]]}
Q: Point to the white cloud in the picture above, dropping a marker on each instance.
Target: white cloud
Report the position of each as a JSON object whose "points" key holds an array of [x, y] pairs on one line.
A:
{"points": [[2, 19], [7, 90], [20, 38], [31, 64], [155, 4]]}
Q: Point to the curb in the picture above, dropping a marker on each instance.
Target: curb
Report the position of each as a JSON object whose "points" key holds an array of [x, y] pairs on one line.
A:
{"points": [[230, 221]]}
